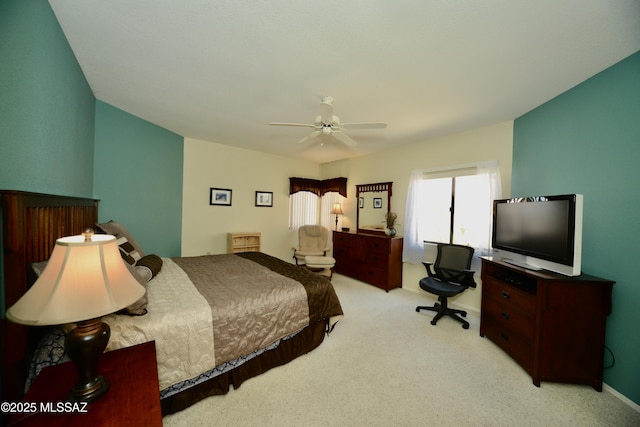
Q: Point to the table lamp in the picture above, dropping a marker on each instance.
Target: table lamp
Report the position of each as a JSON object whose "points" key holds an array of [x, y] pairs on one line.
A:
{"points": [[337, 210], [85, 279]]}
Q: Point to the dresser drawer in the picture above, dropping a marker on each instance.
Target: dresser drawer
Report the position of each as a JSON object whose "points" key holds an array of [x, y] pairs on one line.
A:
{"points": [[512, 297], [376, 259], [341, 239], [374, 275], [378, 246], [340, 251], [508, 316], [519, 348]]}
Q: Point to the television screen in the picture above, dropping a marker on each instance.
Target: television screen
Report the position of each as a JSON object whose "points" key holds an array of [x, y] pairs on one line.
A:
{"points": [[540, 229], [544, 227]]}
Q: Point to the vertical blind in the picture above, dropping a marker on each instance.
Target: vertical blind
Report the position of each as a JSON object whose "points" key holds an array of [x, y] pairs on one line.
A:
{"points": [[303, 209], [327, 219]]}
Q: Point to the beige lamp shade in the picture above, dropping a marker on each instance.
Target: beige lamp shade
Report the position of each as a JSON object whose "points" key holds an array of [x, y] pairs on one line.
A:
{"points": [[82, 280], [337, 209]]}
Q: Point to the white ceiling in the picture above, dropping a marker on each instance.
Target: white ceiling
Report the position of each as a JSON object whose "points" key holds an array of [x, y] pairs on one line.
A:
{"points": [[221, 70]]}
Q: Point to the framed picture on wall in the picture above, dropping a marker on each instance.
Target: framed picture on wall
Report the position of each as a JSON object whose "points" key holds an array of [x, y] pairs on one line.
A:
{"points": [[264, 199], [361, 202], [377, 203], [220, 197]]}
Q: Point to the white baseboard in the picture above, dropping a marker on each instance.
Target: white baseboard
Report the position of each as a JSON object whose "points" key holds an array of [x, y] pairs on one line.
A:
{"points": [[633, 405]]}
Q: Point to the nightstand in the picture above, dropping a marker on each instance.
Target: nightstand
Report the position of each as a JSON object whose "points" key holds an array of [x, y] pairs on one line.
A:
{"points": [[133, 398]]}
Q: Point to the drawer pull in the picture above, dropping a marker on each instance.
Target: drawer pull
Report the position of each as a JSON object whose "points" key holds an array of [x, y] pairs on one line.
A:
{"points": [[506, 295], [504, 336], [505, 315]]}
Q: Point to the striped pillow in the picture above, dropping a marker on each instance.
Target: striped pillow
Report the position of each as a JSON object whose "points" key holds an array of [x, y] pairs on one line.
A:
{"points": [[127, 250], [116, 229]]}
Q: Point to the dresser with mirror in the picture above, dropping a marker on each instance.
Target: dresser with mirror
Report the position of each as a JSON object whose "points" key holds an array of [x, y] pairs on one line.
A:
{"points": [[368, 254]]}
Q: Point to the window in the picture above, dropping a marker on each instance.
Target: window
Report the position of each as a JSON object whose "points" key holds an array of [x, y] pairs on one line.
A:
{"points": [[311, 200], [451, 206], [329, 199], [303, 209], [306, 208]]}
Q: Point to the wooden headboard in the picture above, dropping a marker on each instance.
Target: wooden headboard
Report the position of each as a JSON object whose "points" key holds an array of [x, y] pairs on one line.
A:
{"points": [[31, 223]]}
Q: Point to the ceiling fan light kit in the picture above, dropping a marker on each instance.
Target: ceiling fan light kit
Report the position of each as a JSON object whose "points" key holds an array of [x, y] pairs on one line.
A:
{"points": [[328, 124]]}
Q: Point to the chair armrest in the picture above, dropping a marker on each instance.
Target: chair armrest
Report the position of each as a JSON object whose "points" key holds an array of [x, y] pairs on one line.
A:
{"points": [[469, 280], [428, 265]]}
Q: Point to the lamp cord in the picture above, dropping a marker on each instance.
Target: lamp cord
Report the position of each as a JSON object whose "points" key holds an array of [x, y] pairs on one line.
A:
{"points": [[613, 358]]}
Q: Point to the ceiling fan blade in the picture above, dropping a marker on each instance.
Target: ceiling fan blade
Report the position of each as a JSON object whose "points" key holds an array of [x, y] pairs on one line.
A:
{"points": [[357, 126], [326, 110], [311, 136], [344, 138], [291, 124]]}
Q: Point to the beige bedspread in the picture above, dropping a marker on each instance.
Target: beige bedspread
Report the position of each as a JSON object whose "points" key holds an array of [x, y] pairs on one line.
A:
{"points": [[178, 320]]}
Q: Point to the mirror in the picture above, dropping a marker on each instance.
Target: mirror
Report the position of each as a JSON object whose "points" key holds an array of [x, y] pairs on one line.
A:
{"points": [[374, 202]]}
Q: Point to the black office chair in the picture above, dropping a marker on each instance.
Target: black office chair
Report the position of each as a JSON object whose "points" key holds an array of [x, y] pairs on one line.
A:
{"points": [[451, 276]]}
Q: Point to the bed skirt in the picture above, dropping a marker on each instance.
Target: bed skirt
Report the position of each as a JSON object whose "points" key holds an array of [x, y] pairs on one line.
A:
{"points": [[301, 343]]}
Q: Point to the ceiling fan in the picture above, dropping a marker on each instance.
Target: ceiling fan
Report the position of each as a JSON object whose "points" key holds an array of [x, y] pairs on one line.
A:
{"points": [[328, 124]]}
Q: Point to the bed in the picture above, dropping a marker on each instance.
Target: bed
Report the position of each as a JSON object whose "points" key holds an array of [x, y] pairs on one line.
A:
{"points": [[217, 320]]}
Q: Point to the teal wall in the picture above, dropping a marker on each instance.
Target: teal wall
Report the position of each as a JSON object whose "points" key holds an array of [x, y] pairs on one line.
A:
{"points": [[46, 105], [587, 141], [49, 121], [46, 108], [138, 178]]}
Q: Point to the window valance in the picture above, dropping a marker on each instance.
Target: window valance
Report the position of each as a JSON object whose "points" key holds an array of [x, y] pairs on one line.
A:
{"points": [[318, 187]]}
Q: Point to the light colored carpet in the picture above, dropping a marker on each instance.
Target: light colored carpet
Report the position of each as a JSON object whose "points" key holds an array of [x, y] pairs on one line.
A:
{"points": [[386, 365]]}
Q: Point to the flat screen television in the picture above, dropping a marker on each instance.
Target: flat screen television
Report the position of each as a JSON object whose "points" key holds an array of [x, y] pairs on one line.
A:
{"points": [[542, 232]]}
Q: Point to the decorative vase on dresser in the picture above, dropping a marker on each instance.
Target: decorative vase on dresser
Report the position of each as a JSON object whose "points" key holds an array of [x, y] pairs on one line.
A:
{"points": [[372, 258]]}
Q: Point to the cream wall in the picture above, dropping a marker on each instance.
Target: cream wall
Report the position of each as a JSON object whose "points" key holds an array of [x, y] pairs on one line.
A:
{"points": [[205, 227], [487, 143], [208, 164]]}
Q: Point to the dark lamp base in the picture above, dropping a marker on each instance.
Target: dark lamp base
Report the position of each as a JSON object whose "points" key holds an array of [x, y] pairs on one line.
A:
{"points": [[84, 345]]}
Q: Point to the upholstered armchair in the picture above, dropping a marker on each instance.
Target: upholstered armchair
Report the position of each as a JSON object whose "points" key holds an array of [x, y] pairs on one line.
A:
{"points": [[313, 240]]}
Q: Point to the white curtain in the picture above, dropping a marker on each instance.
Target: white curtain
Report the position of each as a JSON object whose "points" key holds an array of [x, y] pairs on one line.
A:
{"points": [[491, 173], [412, 251], [419, 213]]}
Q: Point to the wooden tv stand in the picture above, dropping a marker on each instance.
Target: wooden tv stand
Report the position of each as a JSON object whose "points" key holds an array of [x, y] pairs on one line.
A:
{"points": [[552, 325]]}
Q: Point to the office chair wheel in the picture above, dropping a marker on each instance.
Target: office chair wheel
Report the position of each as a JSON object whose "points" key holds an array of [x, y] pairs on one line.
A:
{"points": [[433, 322], [463, 314], [465, 326]]}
